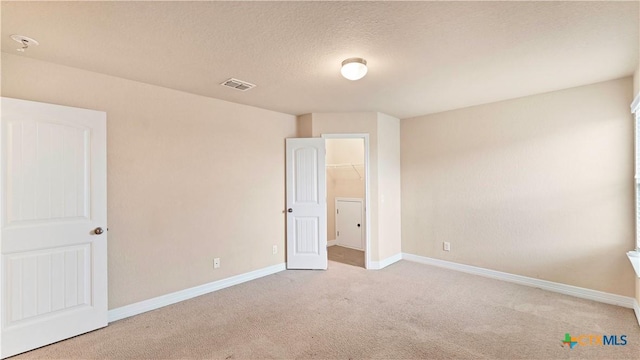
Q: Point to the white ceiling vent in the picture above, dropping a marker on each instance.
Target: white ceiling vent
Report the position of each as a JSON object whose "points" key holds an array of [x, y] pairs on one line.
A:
{"points": [[237, 84]]}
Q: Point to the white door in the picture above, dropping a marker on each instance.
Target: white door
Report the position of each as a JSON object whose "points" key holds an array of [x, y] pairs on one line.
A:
{"points": [[53, 223], [306, 204], [349, 225]]}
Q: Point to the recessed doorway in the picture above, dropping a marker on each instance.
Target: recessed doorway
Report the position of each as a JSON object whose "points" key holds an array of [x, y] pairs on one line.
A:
{"points": [[346, 180]]}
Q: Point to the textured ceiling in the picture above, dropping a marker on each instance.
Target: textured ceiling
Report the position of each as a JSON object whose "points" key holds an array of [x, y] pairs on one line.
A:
{"points": [[424, 57]]}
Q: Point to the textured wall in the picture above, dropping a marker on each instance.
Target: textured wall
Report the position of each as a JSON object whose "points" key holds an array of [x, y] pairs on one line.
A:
{"points": [[539, 186], [189, 178]]}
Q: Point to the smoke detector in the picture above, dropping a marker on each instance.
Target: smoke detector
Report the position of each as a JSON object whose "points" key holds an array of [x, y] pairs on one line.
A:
{"points": [[238, 84], [25, 41]]}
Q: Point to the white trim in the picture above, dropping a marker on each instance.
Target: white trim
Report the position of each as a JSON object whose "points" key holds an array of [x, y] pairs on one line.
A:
{"points": [[583, 293], [635, 109], [332, 242], [634, 257], [168, 299], [635, 105], [367, 191], [377, 265], [636, 309], [349, 247]]}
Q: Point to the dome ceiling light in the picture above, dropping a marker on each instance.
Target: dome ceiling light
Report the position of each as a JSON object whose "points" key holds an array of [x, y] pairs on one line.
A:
{"points": [[354, 68]]}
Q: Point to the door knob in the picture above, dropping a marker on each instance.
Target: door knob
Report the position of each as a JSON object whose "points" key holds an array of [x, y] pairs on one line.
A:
{"points": [[290, 210], [98, 231], [358, 225]]}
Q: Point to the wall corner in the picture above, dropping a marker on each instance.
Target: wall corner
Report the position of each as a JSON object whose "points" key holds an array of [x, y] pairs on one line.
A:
{"points": [[304, 126]]}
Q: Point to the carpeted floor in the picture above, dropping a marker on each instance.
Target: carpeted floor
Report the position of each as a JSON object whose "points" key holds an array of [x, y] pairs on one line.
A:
{"points": [[405, 311], [345, 255]]}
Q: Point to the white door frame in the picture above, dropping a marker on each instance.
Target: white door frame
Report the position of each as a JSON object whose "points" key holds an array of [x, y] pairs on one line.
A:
{"points": [[346, 199], [367, 190]]}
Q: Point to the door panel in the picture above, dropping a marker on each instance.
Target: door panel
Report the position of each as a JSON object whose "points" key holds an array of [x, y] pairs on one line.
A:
{"points": [[42, 282], [349, 225], [306, 204], [53, 187], [306, 176], [307, 235], [49, 175]]}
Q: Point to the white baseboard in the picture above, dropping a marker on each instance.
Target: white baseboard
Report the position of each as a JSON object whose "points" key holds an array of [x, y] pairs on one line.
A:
{"points": [[348, 247], [168, 299], [636, 309], [377, 265], [583, 293], [335, 243]]}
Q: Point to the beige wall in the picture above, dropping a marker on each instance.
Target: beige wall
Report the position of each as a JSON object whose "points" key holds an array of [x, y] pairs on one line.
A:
{"points": [[189, 178], [303, 124], [389, 228], [345, 151], [539, 186], [331, 207]]}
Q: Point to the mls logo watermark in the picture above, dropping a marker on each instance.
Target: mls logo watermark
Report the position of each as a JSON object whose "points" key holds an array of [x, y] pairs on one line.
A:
{"points": [[594, 340]]}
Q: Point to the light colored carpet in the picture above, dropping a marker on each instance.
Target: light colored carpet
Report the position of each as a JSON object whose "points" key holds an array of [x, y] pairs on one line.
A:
{"points": [[346, 255], [405, 311]]}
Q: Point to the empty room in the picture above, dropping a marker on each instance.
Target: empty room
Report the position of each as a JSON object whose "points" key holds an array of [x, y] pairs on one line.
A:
{"points": [[320, 180]]}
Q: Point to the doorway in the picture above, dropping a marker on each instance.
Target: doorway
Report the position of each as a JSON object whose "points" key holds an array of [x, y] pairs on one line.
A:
{"points": [[346, 179], [309, 206]]}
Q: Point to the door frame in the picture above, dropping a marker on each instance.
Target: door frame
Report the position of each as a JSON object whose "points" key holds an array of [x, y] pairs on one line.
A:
{"points": [[346, 199], [367, 190]]}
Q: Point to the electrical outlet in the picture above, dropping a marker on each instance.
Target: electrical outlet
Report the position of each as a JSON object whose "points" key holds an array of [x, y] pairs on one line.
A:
{"points": [[216, 263], [275, 249], [446, 246]]}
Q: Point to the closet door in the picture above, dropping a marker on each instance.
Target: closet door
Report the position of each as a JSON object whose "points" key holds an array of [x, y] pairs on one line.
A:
{"points": [[306, 204]]}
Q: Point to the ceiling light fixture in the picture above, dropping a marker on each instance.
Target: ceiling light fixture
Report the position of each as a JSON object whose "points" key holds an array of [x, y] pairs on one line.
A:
{"points": [[25, 41], [354, 68]]}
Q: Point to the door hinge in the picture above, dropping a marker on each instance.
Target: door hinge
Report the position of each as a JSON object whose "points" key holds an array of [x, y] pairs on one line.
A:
{"points": [[338, 211], [338, 233]]}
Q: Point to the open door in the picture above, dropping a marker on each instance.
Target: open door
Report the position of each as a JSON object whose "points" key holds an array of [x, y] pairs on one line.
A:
{"points": [[53, 223], [306, 204]]}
